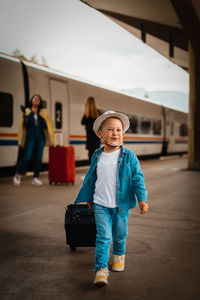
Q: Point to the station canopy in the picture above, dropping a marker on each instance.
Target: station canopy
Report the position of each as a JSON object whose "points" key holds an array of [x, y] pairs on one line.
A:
{"points": [[155, 22]]}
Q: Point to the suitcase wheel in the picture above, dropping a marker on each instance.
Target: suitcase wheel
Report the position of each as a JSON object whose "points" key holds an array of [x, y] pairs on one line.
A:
{"points": [[73, 248]]}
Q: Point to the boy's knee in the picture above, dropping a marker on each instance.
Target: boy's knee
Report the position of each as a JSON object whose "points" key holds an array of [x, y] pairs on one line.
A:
{"points": [[104, 237], [120, 235]]}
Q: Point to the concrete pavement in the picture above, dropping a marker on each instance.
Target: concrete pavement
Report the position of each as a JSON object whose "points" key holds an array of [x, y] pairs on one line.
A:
{"points": [[163, 246]]}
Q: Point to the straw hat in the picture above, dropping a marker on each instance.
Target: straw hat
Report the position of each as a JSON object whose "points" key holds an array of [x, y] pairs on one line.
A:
{"points": [[108, 114]]}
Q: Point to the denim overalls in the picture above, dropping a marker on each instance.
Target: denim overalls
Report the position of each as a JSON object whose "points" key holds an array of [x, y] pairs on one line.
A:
{"points": [[35, 139]]}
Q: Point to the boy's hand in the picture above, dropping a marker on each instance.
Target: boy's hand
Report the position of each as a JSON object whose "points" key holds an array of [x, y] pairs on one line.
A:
{"points": [[143, 207], [90, 205]]}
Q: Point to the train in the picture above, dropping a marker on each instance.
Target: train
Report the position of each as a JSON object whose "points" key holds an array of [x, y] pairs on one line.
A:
{"points": [[155, 130]]}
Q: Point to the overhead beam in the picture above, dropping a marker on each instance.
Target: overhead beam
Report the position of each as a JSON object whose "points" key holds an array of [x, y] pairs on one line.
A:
{"points": [[158, 30], [189, 20]]}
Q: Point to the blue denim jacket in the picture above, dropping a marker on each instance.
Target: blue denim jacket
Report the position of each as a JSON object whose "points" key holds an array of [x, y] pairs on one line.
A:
{"points": [[130, 181]]}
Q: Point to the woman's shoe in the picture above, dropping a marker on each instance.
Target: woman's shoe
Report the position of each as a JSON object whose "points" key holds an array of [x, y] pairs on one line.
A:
{"points": [[36, 181], [17, 180]]}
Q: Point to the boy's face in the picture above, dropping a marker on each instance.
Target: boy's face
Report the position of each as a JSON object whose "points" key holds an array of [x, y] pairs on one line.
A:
{"points": [[112, 132]]}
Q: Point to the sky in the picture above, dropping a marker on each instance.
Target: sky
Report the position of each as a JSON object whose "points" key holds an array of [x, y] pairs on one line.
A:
{"points": [[80, 41]]}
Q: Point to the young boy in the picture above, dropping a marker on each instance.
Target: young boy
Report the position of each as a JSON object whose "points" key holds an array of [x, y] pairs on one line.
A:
{"points": [[114, 183]]}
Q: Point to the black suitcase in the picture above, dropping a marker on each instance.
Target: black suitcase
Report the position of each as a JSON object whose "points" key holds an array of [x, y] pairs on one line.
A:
{"points": [[80, 227]]}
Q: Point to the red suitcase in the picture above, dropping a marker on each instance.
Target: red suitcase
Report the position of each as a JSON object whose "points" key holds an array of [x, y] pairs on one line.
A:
{"points": [[61, 164]]}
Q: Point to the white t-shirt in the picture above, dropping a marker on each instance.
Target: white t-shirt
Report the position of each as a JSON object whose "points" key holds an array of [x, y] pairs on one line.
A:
{"points": [[35, 119], [105, 187]]}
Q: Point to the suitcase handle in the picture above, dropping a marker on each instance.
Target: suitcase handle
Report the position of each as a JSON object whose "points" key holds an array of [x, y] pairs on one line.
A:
{"points": [[60, 134], [82, 213]]}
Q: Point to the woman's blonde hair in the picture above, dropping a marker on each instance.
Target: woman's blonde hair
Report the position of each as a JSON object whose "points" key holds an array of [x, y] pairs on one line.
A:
{"points": [[91, 110]]}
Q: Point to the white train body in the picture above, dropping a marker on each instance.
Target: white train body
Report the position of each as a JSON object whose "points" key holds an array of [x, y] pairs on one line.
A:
{"points": [[155, 129]]}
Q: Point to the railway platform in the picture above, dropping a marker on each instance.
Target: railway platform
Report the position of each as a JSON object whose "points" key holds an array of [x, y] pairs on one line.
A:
{"points": [[163, 246]]}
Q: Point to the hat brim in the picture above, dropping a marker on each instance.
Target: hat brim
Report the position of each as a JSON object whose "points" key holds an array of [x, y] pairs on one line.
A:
{"points": [[124, 119]]}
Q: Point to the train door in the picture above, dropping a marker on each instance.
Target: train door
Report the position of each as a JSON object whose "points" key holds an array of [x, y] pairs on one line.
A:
{"points": [[59, 105]]}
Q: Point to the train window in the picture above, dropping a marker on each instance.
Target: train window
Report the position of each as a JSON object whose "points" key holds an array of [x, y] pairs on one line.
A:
{"points": [[183, 130], [172, 128], [6, 109], [157, 126], [133, 124], [145, 125], [58, 115]]}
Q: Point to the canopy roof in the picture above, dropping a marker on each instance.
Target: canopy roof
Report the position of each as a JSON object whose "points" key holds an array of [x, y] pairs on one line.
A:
{"points": [[153, 21]]}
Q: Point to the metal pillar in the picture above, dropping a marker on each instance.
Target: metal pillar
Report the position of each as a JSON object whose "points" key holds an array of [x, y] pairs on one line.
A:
{"points": [[194, 111], [191, 26]]}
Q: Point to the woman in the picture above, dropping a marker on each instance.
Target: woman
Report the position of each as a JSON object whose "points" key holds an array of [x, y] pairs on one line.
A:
{"points": [[90, 114], [35, 131]]}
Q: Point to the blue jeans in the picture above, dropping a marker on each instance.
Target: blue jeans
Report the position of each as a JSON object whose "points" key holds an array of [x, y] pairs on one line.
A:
{"points": [[111, 226], [31, 143]]}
